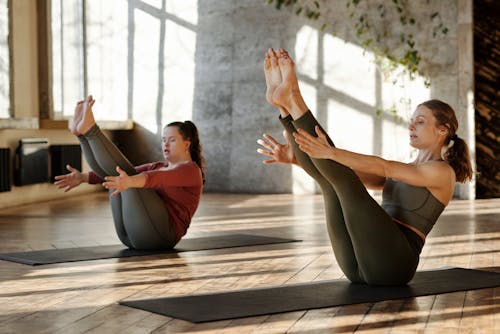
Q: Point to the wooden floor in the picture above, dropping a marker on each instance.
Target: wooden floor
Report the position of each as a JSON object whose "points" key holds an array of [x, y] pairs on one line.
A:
{"points": [[82, 297]]}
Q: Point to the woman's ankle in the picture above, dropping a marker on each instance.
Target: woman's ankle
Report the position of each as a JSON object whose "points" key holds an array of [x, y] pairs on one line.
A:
{"points": [[298, 106], [91, 131]]}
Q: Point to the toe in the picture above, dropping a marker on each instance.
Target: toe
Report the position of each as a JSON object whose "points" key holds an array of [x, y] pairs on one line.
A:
{"points": [[267, 63]]}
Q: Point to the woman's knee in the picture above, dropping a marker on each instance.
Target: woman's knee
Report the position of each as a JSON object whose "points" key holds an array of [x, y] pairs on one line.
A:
{"points": [[388, 277]]}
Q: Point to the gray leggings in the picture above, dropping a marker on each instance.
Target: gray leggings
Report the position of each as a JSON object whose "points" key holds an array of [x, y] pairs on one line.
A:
{"points": [[140, 216], [368, 245]]}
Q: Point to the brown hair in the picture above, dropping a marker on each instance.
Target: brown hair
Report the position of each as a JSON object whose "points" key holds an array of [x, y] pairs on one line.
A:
{"points": [[457, 155], [189, 132]]}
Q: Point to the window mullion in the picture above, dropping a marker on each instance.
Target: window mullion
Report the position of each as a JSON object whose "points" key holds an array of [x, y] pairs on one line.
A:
{"points": [[84, 48]]}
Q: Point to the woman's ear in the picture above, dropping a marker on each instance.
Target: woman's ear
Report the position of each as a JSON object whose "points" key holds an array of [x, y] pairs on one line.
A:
{"points": [[443, 130]]}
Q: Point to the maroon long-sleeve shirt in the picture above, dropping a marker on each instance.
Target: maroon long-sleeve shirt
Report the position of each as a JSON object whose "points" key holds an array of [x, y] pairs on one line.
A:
{"points": [[179, 187]]}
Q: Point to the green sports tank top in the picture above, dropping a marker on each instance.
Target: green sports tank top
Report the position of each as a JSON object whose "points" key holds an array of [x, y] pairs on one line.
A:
{"points": [[415, 206]]}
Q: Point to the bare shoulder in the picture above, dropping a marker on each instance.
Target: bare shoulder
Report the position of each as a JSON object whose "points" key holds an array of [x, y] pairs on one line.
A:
{"points": [[442, 178], [440, 167]]}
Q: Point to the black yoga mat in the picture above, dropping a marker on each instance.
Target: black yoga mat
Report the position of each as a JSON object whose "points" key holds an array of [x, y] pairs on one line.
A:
{"points": [[117, 251], [278, 299]]}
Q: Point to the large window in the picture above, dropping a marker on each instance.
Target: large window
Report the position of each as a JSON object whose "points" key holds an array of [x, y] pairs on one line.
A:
{"points": [[136, 57], [89, 56], [4, 61]]}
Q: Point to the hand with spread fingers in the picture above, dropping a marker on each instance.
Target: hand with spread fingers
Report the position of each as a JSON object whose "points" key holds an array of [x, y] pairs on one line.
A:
{"points": [[281, 153], [70, 180], [119, 183], [315, 147]]}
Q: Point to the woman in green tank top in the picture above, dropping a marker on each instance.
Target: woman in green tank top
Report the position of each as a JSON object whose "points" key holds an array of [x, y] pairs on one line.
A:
{"points": [[373, 244]]}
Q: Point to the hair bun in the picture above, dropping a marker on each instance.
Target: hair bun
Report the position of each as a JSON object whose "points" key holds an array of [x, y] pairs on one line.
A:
{"points": [[190, 125]]}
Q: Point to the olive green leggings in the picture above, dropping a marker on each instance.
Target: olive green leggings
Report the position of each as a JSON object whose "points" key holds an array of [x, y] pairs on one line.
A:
{"points": [[368, 245], [140, 216]]}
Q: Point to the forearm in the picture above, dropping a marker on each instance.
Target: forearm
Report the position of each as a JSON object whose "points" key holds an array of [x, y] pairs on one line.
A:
{"points": [[361, 163], [136, 181], [371, 181]]}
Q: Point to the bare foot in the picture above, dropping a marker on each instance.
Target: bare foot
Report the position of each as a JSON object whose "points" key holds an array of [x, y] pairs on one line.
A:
{"points": [[87, 121], [287, 94], [273, 75], [77, 117]]}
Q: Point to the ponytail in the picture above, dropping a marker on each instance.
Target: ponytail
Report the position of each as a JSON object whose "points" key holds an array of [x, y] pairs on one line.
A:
{"points": [[455, 150], [189, 132], [457, 155]]}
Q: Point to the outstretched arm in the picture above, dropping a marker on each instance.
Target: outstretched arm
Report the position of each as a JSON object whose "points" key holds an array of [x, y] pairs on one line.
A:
{"points": [[184, 175], [433, 174]]}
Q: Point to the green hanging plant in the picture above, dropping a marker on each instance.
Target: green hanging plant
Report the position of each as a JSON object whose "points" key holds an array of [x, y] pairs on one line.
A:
{"points": [[310, 9], [371, 31]]}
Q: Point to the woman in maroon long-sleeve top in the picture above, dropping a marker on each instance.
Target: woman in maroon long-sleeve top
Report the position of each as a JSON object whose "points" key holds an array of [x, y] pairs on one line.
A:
{"points": [[152, 204]]}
